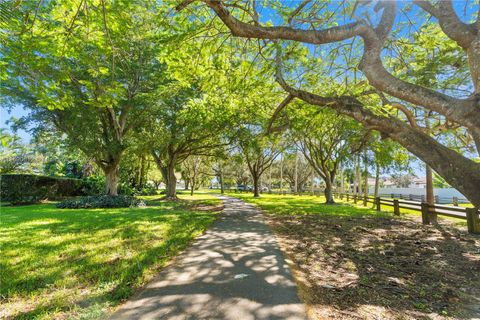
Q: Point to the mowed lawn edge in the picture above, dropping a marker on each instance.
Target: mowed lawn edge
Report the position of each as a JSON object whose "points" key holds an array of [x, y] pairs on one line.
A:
{"points": [[81, 263]]}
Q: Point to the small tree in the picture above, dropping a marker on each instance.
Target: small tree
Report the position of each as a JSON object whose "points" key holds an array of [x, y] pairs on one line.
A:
{"points": [[259, 152], [182, 124], [196, 170], [14, 155], [296, 170], [326, 139]]}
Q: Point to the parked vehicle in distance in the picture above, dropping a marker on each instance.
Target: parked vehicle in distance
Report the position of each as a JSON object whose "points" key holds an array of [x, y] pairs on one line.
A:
{"points": [[242, 187]]}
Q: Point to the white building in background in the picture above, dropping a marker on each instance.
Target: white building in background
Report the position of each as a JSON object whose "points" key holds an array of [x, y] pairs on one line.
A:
{"points": [[420, 182]]}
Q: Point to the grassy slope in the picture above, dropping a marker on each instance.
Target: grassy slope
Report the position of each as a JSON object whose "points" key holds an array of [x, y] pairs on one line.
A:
{"points": [[61, 262]]}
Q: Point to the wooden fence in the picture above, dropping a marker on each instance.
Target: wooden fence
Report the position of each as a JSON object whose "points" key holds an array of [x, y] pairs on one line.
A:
{"points": [[429, 212], [421, 198]]}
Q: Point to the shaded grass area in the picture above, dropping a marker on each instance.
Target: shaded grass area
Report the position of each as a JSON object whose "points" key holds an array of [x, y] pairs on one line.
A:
{"points": [[60, 263], [355, 263]]}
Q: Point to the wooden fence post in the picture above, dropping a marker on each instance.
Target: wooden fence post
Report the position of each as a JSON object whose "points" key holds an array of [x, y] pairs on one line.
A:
{"points": [[377, 203], [355, 198], [396, 207], [341, 196], [425, 213], [365, 198], [473, 220], [348, 197], [455, 201]]}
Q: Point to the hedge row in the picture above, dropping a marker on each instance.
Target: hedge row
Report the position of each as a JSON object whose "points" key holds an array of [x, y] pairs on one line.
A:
{"points": [[29, 188], [104, 201]]}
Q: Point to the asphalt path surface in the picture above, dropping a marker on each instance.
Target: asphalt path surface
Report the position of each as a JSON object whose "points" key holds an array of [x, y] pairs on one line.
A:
{"points": [[234, 271]]}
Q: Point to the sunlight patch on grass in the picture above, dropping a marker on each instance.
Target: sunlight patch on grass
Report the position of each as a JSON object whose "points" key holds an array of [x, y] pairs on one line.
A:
{"points": [[80, 262], [306, 205]]}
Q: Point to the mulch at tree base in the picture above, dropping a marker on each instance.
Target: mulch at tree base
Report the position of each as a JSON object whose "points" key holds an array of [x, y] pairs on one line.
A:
{"points": [[382, 268]]}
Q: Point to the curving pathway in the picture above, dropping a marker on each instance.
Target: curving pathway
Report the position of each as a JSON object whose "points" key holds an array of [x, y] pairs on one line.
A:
{"points": [[234, 271]]}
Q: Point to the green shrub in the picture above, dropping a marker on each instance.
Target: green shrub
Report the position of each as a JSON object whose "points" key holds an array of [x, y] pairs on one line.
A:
{"points": [[94, 185], [30, 188], [126, 189], [148, 190], [105, 201]]}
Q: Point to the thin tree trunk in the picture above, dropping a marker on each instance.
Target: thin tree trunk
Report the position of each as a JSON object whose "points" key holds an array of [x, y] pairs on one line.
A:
{"points": [[355, 178], [359, 176], [312, 186], [365, 179], [142, 172], [377, 179], [222, 188], [281, 173], [342, 182], [296, 173]]}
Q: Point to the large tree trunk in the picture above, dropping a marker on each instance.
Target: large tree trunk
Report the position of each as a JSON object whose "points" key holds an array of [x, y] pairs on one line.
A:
{"points": [[429, 185], [167, 169], [171, 182], [429, 192], [111, 179], [328, 191], [460, 172], [256, 192]]}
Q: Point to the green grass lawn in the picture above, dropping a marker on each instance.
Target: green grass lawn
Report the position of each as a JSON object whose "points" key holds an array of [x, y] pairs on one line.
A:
{"points": [[65, 263], [305, 204]]}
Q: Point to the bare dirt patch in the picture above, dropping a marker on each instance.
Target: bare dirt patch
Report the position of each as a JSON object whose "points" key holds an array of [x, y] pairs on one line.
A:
{"points": [[382, 268]]}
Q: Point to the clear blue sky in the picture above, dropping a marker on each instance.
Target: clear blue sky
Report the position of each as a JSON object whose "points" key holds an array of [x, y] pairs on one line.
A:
{"points": [[17, 112]]}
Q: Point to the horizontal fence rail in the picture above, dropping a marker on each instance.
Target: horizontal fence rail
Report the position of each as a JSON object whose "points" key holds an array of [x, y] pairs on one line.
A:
{"points": [[429, 211], [421, 198]]}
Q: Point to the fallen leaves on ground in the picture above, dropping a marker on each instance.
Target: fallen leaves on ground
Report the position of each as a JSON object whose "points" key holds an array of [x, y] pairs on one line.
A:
{"points": [[382, 268]]}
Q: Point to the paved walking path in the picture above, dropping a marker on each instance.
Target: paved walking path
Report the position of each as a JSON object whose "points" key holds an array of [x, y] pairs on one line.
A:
{"points": [[234, 271]]}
